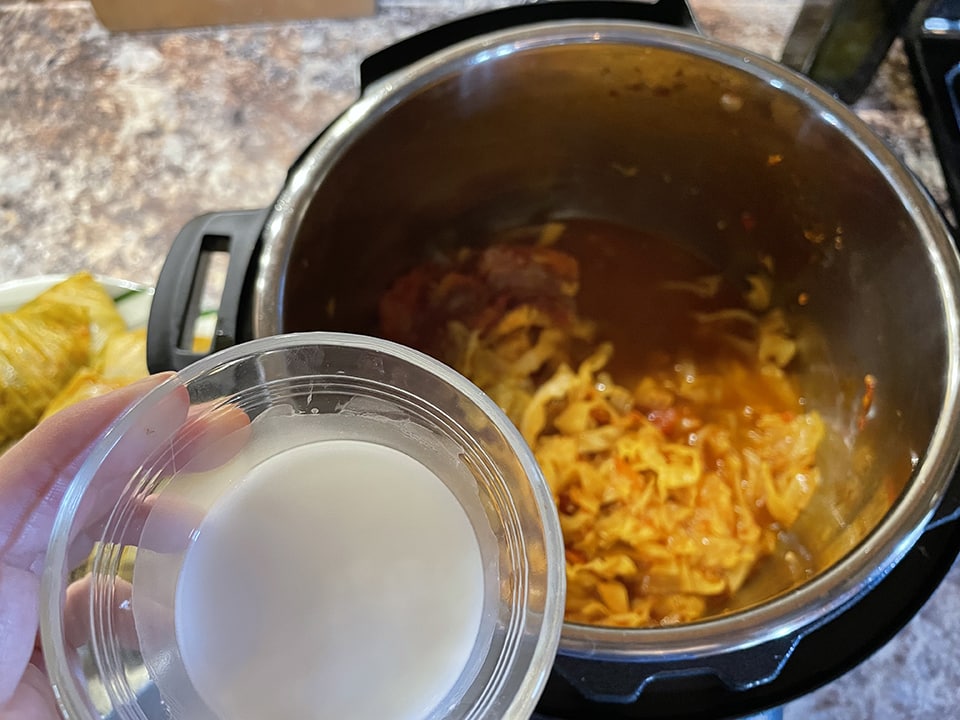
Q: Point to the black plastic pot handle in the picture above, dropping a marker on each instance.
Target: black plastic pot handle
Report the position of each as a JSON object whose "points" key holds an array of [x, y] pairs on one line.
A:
{"points": [[664, 12], [623, 682], [176, 300]]}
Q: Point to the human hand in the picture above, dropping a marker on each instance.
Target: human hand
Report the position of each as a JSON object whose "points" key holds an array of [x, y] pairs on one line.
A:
{"points": [[33, 477]]}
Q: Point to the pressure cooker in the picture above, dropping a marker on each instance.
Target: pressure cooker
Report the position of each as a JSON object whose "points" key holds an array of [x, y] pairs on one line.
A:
{"points": [[623, 111]]}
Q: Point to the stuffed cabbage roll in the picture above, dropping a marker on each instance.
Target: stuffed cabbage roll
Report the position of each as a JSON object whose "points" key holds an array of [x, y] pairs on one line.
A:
{"points": [[83, 290], [86, 383], [42, 346], [68, 344], [122, 361], [124, 355]]}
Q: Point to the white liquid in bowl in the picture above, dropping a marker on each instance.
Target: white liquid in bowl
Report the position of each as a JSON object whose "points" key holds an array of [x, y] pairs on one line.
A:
{"points": [[340, 579]]}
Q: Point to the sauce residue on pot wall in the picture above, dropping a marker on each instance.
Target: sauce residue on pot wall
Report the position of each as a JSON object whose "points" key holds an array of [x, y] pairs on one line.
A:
{"points": [[656, 396]]}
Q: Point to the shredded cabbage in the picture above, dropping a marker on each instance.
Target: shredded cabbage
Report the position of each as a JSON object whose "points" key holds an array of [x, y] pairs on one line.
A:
{"points": [[669, 491]]}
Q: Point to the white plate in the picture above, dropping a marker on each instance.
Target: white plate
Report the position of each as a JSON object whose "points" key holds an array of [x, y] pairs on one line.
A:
{"points": [[133, 299]]}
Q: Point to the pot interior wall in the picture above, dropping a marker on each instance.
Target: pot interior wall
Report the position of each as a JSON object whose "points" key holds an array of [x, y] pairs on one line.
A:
{"points": [[717, 157]]}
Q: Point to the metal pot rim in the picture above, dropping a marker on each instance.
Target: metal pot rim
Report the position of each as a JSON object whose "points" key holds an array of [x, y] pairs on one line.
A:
{"points": [[808, 606]]}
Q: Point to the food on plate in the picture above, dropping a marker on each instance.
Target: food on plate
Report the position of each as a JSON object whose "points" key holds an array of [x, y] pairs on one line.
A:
{"points": [[84, 291], [676, 470], [41, 347], [67, 344], [85, 383]]}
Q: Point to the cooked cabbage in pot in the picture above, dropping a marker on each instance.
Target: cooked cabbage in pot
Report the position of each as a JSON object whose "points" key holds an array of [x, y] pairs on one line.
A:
{"points": [[671, 485]]}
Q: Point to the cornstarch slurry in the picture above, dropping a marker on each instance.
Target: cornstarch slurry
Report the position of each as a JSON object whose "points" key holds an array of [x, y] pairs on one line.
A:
{"points": [[336, 579]]}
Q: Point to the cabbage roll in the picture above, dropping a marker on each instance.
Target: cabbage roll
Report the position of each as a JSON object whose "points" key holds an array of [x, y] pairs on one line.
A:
{"points": [[42, 346], [83, 290], [124, 356], [86, 383]]}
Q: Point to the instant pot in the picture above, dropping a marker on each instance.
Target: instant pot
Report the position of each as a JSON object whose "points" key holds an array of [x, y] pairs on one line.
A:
{"points": [[621, 111]]}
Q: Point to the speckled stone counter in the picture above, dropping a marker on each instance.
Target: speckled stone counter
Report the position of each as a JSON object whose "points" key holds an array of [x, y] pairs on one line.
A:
{"points": [[109, 144]]}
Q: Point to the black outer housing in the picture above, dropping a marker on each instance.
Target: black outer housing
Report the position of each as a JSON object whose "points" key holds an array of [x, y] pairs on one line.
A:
{"points": [[935, 65], [855, 42], [725, 685], [818, 658], [665, 12]]}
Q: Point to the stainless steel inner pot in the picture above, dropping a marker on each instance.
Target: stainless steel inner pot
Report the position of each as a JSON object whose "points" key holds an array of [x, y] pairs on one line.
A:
{"points": [[677, 135], [723, 152]]}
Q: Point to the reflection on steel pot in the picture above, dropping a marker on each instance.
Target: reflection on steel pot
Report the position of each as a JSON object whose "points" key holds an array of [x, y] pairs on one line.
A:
{"points": [[678, 136]]}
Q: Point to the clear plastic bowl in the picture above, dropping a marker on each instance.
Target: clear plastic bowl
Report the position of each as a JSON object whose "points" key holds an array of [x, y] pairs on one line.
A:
{"points": [[121, 535]]}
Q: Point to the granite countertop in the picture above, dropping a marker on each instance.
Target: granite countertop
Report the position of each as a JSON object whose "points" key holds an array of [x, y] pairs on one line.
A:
{"points": [[109, 144]]}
